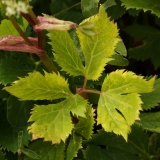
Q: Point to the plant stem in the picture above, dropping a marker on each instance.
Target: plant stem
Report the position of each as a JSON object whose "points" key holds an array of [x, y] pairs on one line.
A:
{"points": [[92, 91], [68, 8], [85, 83], [19, 30], [48, 63]]}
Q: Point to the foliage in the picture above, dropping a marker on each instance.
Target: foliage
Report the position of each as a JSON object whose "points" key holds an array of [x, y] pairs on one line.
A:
{"points": [[81, 96]]}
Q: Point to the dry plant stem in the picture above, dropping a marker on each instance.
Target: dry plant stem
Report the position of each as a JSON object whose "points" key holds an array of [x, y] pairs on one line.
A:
{"points": [[48, 63], [13, 21]]}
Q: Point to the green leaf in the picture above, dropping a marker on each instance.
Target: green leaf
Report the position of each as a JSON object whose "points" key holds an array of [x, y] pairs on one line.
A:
{"points": [[154, 144], [118, 60], [1, 155], [51, 122], [9, 135], [74, 145], [39, 87], [116, 11], [3, 93], [119, 102], [85, 125], [120, 48], [6, 28], [77, 105], [117, 148], [149, 41], [150, 121], [18, 112], [133, 12], [13, 122], [94, 152], [55, 119], [109, 3], [153, 6], [98, 49], [66, 54], [151, 99], [47, 150], [12, 69], [30, 153], [89, 8]]}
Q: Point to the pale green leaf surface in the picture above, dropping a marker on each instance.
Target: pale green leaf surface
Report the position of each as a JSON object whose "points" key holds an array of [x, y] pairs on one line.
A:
{"points": [[150, 121], [12, 69], [47, 150], [77, 105], [153, 6], [89, 8], [66, 54], [85, 125], [55, 118], [151, 99], [39, 87], [6, 28], [108, 4], [98, 49], [74, 145], [120, 93], [51, 122]]}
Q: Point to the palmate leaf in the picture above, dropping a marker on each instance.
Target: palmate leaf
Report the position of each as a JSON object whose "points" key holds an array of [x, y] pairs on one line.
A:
{"points": [[99, 48], [119, 102], [66, 54], [39, 87], [153, 6], [150, 121], [53, 122], [47, 150]]}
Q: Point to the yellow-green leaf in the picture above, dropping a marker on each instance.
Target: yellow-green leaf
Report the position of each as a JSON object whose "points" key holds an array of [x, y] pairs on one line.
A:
{"points": [[98, 49], [39, 87], [119, 102]]}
